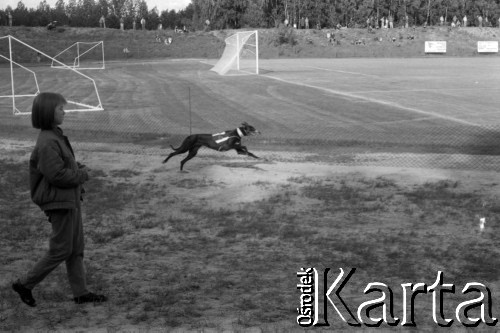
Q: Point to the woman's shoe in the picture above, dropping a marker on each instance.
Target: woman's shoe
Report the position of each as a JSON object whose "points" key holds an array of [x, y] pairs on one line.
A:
{"points": [[24, 293], [90, 298]]}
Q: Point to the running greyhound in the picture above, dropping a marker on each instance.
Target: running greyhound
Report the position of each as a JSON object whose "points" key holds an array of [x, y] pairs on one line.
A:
{"points": [[220, 141]]}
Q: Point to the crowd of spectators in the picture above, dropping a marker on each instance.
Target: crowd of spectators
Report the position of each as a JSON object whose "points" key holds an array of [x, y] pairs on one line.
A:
{"points": [[384, 21], [389, 22]]}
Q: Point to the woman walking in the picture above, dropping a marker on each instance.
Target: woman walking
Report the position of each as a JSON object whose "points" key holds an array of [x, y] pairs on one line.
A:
{"points": [[56, 181]]}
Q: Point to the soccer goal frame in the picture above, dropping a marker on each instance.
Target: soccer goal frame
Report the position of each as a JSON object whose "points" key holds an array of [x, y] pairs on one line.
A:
{"points": [[12, 63], [13, 95], [76, 61], [242, 47]]}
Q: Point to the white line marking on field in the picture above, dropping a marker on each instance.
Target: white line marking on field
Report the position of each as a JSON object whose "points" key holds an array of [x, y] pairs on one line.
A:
{"points": [[206, 62], [373, 100], [401, 121], [339, 71], [154, 62], [420, 90]]}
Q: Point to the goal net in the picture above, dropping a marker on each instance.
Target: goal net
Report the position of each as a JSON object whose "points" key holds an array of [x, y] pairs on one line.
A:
{"points": [[81, 55], [241, 54], [26, 73]]}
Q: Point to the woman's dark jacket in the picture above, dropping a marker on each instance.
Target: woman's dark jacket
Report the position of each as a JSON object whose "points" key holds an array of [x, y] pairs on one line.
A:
{"points": [[55, 177]]}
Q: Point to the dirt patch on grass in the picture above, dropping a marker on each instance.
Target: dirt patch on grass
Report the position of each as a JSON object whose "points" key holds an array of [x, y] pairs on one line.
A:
{"points": [[218, 247]]}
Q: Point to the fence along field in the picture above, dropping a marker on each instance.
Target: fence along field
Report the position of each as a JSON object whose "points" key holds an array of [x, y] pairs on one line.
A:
{"points": [[423, 105]]}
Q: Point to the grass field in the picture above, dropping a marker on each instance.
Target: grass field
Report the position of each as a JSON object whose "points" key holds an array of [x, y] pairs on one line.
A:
{"points": [[385, 165], [425, 105]]}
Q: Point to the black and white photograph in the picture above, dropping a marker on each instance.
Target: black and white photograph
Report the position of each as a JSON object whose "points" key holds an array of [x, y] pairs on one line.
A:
{"points": [[249, 166]]}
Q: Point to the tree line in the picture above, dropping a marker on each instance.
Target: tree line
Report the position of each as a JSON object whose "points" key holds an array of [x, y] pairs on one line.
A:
{"points": [[235, 14]]}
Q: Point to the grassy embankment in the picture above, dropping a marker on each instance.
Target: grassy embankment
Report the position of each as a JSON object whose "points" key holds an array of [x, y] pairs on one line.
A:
{"points": [[273, 43]]}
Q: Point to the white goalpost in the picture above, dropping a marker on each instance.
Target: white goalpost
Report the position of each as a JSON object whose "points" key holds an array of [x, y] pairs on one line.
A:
{"points": [[33, 75], [81, 55], [25, 83], [241, 54]]}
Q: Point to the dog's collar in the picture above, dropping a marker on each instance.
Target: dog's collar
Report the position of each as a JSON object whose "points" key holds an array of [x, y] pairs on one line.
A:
{"points": [[240, 133]]}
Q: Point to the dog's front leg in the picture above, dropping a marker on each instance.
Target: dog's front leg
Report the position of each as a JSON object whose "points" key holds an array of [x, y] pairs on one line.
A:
{"points": [[242, 150], [252, 155]]}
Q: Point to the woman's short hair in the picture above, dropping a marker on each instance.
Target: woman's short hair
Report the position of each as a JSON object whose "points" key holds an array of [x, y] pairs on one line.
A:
{"points": [[42, 112]]}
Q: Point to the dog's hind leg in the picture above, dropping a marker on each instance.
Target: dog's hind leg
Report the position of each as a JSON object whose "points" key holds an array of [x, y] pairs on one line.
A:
{"points": [[169, 156], [184, 147], [192, 153]]}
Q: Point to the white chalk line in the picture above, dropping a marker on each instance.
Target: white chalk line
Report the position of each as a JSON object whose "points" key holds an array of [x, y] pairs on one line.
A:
{"points": [[339, 71], [421, 90], [155, 61], [402, 90], [401, 121], [373, 100]]}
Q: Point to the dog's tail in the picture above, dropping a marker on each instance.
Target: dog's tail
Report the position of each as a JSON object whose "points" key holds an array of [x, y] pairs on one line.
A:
{"points": [[185, 145]]}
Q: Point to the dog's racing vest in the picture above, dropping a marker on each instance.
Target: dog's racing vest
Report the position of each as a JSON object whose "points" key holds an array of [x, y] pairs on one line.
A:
{"points": [[221, 138]]}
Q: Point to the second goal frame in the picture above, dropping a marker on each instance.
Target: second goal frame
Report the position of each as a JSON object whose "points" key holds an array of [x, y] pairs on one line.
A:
{"points": [[241, 54], [80, 51]]}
